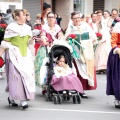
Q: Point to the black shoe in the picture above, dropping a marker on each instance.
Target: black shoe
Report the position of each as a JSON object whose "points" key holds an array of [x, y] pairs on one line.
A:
{"points": [[117, 106], [83, 95], [24, 107], [12, 103]]}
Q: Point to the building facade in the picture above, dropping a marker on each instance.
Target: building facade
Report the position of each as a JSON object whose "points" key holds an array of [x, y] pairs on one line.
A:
{"points": [[10, 4], [61, 7]]}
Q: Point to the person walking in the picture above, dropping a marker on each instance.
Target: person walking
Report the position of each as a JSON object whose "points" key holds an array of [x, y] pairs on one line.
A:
{"points": [[84, 58], [20, 74], [113, 66]]}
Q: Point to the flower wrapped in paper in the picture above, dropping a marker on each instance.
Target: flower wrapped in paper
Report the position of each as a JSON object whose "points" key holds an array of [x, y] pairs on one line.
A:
{"points": [[2, 62]]}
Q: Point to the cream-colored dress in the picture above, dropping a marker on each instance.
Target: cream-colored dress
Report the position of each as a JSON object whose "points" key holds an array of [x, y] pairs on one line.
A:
{"points": [[103, 49]]}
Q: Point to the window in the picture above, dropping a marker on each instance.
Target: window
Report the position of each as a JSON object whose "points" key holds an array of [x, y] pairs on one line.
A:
{"points": [[98, 5], [78, 5]]}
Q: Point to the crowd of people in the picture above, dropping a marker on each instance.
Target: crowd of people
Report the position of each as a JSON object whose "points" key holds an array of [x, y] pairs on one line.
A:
{"points": [[95, 49]]}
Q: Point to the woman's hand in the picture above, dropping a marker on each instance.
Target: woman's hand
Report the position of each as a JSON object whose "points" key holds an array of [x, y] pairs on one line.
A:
{"points": [[117, 51], [31, 40], [45, 41]]}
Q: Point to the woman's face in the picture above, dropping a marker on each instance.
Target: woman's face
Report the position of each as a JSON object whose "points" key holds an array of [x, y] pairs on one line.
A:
{"points": [[51, 18], [76, 19], [22, 17], [61, 62]]}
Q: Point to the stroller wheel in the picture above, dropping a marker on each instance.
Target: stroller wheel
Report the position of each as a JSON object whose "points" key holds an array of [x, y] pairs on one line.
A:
{"points": [[64, 97], [78, 99], [46, 97], [68, 98], [55, 99], [74, 99], [50, 97], [59, 99]]}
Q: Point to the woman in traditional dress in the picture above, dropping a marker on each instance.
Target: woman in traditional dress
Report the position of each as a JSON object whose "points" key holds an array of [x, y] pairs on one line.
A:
{"points": [[84, 61], [103, 47], [19, 60], [50, 33], [113, 66], [46, 10]]}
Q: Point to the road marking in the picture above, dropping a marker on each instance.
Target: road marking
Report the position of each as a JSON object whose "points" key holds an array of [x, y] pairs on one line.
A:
{"points": [[82, 111]]}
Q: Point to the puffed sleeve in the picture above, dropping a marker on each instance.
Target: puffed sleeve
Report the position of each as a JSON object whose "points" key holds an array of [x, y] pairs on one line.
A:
{"points": [[114, 39]]}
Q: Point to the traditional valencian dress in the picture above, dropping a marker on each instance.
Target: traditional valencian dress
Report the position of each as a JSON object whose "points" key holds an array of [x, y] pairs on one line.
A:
{"points": [[19, 62], [65, 80], [103, 48], [41, 56], [113, 65], [84, 61]]}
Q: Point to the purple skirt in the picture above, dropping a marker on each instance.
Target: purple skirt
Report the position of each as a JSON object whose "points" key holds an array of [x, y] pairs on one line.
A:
{"points": [[113, 75], [70, 82], [15, 83]]}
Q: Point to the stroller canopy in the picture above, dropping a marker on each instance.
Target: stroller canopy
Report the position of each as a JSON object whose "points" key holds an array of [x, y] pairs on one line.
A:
{"points": [[58, 50]]}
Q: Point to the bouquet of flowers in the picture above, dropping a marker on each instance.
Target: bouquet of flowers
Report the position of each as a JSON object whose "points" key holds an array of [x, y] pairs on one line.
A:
{"points": [[72, 36], [2, 62], [2, 27], [99, 36]]}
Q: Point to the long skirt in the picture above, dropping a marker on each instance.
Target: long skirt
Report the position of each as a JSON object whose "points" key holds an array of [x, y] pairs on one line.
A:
{"points": [[84, 82], [15, 83], [101, 56], [70, 82], [113, 75]]}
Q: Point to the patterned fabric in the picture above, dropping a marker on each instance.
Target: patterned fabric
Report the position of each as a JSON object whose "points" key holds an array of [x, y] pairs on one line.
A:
{"points": [[41, 54]]}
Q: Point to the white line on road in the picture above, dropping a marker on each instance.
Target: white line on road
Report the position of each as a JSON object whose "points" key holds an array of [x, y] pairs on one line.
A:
{"points": [[82, 111]]}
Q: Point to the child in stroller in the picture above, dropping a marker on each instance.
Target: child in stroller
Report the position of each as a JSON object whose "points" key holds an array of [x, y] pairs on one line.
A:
{"points": [[64, 78], [64, 83]]}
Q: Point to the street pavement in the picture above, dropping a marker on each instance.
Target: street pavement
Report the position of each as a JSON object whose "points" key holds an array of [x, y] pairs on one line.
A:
{"points": [[98, 106]]}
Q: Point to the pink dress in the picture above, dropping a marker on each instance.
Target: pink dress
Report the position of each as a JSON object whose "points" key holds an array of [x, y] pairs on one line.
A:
{"points": [[66, 80]]}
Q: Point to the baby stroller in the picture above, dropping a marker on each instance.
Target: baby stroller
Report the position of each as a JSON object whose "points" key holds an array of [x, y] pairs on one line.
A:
{"points": [[51, 93]]}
